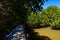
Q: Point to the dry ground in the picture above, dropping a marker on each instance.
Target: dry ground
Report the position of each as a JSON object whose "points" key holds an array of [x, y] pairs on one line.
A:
{"points": [[52, 34]]}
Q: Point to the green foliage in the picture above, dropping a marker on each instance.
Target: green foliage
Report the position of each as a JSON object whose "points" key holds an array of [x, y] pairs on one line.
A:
{"points": [[32, 19], [47, 17], [52, 16], [43, 20], [55, 24]]}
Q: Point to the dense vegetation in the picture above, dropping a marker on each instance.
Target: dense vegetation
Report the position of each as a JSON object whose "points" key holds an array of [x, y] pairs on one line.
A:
{"points": [[47, 17], [13, 12]]}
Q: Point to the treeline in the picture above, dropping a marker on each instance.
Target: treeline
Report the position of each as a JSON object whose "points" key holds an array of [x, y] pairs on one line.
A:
{"points": [[49, 16]]}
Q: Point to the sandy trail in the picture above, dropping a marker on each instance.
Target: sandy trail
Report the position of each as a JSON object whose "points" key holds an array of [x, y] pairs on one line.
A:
{"points": [[52, 34]]}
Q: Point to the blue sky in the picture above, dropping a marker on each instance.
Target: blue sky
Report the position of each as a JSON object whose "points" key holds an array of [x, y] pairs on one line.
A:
{"points": [[51, 2]]}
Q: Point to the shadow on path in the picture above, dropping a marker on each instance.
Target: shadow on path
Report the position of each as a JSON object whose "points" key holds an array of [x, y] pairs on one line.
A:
{"points": [[34, 35]]}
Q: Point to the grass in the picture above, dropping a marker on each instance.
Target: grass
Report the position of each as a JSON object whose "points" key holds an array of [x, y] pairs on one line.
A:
{"points": [[52, 34]]}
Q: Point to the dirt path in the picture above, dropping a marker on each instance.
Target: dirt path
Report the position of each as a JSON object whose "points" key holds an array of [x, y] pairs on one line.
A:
{"points": [[52, 34]]}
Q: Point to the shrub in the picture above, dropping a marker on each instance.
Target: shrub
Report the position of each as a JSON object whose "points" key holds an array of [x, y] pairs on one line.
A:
{"points": [[51, 16], [55, 24], [32, 20]]}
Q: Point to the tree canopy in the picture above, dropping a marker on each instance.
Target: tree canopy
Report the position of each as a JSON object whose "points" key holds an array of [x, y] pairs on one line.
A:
{"points": [[13, 12], [20, 4], [49, 16]]}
